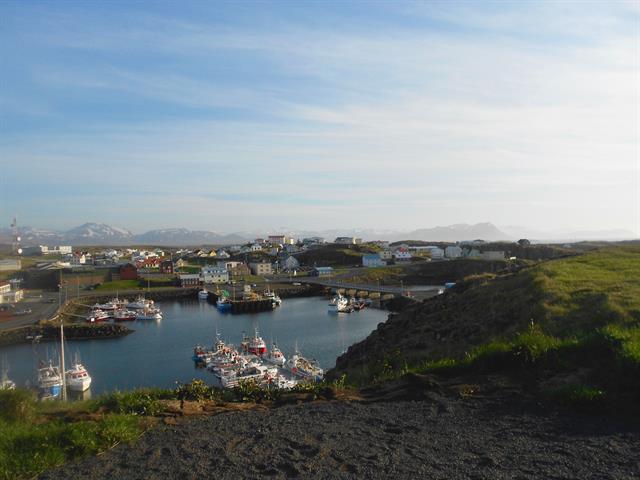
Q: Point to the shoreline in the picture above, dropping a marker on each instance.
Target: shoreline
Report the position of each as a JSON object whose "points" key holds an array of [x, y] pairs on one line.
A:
{"points": [[49, 333]]}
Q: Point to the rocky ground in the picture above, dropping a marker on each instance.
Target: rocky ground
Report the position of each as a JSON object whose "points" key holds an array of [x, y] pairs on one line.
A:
{"points": [[438, 436]]}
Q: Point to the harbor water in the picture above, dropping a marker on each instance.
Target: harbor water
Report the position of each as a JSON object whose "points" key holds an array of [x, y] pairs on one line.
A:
{"points": [[158, 353]]}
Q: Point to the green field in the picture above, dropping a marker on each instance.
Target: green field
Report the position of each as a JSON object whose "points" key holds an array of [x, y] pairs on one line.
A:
{"points": [[577, 315], [119, 285]]}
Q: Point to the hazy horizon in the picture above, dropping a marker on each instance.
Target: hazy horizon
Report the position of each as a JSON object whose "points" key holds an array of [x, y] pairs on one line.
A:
{"points": [[233, 116]]}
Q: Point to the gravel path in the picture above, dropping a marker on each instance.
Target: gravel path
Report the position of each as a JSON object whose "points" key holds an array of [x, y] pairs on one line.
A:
{"points": [[442, 439]]}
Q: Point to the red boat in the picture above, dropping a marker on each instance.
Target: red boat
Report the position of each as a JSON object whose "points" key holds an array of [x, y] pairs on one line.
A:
{"points": [[255, 345], [96, 315]]}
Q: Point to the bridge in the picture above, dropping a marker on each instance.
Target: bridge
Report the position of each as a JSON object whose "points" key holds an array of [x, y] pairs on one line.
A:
{"points": [[403, 290]]}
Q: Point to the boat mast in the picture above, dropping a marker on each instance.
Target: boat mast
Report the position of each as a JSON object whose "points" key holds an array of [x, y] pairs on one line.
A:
{"points": [[62, 371]]}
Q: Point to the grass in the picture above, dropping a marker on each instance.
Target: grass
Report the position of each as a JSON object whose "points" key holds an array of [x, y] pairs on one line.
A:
{"points": [[548, 321], [119, 285], [36, 436]]}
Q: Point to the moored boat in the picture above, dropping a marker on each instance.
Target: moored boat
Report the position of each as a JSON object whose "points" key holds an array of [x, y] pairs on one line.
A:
{"points": [[275, 299], [224, 304], [49, 381], [140, 303], [77, 378], [275, 356], [149, 314], [97, 315], [203, 294], [122, 315], [304, 368], [339, 304], [5, 382]]}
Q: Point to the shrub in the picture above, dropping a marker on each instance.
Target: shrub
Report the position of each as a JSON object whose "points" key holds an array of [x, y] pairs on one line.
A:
{"points": [[17, 405]]}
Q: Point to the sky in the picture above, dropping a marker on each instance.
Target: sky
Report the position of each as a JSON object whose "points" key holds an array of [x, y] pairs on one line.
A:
{"points": [[231, 116]]}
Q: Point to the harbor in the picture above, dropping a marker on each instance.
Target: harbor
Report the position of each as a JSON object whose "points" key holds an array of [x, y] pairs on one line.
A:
{"points": [[159, 353]]}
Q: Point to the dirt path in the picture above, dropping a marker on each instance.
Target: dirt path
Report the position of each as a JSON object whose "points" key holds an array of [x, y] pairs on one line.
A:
{"points": [[438, 439]]}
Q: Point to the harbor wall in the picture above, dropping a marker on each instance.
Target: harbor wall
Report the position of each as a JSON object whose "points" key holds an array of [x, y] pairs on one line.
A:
{"points": [[83, 331]]}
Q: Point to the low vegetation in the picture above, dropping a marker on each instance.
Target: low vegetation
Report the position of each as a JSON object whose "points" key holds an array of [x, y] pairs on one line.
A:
{"points": [[38, 436], [569, 328]]}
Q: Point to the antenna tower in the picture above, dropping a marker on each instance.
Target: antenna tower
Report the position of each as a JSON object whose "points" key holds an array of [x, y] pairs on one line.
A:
{"points": [[15, 238]]}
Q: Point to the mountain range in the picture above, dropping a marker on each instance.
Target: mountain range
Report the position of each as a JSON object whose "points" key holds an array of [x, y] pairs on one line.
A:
{"points": [[102, 234]]}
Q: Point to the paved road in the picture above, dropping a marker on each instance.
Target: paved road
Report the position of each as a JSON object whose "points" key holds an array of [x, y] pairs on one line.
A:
{"points": [[43, 305]]}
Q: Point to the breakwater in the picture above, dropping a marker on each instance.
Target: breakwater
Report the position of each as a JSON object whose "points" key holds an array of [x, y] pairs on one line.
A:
{"points": [[71, 332]]}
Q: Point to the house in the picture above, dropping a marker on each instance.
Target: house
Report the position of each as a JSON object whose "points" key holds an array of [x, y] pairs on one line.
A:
{"points": [[322, 271], [402, 255], [261, 268], [214, 274], [255, 247], [238, 269], [348, 241], [149, 262], [166, 267], [372, 260], [128, 272], [470, 253], [189, 279], [9, 296], [291, 263], [492, 255], [385, 254], [223, 254], [436, 253], [277, 239], [233, 248], [313, 241], [453, 251], [78, 258], [180, 263]]}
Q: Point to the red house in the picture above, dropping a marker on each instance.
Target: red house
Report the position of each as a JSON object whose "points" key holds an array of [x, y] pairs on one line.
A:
{"points": [[128, 272], [166, 266]]}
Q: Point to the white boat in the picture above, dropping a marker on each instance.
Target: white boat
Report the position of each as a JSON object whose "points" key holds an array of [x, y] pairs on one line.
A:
{"points": [[275, 356], [339, 304], [77, 378], [140, 303], [307, 369], [97, 315], [49, 381], [269, 295], [112, 304], [122, 315], [5, 382], [258, 373], [149, 314], [203, 294]]}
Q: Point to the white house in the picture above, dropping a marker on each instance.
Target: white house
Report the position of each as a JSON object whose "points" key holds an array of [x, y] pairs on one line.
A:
{"points": [[453, 251], [372, 260], [291, 263], [386, 254], [222, 254], [255, 247], [214, 274], [402, 255], [436, 253]]}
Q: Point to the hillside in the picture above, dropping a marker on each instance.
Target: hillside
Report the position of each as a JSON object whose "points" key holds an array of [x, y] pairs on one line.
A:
{"points": [[573, 314]]}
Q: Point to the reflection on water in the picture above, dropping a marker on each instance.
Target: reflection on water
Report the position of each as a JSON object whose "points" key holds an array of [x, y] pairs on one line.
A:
{"points": [[159, 352]]}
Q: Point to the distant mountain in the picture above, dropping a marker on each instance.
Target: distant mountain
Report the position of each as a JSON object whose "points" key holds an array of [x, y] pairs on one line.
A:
{"points": [[183, 236], [97, 233], [458, 232], [569, 235]]}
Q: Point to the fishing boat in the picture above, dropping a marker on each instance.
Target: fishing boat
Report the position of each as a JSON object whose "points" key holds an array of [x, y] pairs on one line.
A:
{"points": [[224, 304], [122, 315], [77, 378], [261, 374], [357, 305], [149, 314], [339, 304], [304, 368], [275, 356], [49, 381], [203, 294], [275, 299], [97, 315], [140, 303], [112, 304]]}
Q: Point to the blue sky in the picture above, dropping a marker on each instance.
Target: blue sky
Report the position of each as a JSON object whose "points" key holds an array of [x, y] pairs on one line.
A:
{"points": [[245, 115]]}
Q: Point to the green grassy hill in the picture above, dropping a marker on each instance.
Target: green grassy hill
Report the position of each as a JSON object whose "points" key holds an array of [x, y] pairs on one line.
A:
{"points": [[578, 314]]}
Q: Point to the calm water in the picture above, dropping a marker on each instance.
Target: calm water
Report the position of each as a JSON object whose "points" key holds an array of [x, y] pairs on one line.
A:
{"points": [[159, 352]]}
